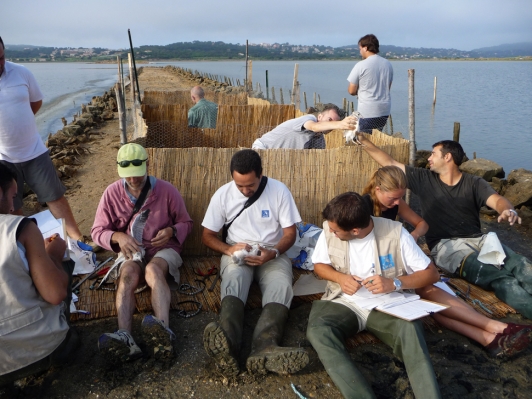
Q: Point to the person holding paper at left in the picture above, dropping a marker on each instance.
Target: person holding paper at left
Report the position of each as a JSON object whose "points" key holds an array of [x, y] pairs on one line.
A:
{"points": [[34, 298], [356, 250]]}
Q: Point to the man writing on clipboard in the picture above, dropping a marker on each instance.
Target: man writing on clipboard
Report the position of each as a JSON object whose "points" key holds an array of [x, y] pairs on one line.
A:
{"points": [[35, 295], [356, 250], [252, 209]]}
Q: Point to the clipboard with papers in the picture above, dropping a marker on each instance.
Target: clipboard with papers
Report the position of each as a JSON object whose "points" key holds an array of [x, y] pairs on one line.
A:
{"points": [[49, 225], [405, 306]]}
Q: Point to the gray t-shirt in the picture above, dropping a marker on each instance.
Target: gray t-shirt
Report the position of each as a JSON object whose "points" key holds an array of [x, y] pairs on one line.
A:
{"points": [[373, 77], [292, 134]]}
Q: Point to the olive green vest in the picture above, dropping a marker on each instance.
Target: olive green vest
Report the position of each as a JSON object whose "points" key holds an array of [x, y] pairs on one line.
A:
{"points": [[30, 327], [388, 261]]}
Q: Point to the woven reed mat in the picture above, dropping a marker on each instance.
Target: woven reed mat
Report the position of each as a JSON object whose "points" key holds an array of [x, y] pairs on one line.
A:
{"points": [[101, 303]]}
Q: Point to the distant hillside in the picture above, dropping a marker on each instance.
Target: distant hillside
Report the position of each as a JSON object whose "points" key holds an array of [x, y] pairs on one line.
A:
{"points": [[502, 51], [198, 50], [505, 50]]}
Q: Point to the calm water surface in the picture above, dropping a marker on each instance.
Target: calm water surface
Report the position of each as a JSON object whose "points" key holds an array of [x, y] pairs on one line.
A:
{"points": [[492, 100]]}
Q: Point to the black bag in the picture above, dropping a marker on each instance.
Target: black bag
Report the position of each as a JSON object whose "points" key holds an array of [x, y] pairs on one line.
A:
{"points": [[251, 200]]}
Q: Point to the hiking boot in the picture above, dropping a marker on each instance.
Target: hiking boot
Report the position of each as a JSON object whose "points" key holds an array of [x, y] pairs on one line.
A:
{"points": [[222, 339], [508, 345], [514, 328], [158, 337], [266, 354], [88, 244], [119, 346]]}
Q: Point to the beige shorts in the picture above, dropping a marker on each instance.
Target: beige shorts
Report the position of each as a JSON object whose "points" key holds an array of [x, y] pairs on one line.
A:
{"points": [[172, 258]]}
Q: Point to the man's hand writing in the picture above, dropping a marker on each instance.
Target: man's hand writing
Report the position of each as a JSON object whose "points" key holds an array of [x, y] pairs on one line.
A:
{"points": [[378, 284], [55, 247], [349, 283]]}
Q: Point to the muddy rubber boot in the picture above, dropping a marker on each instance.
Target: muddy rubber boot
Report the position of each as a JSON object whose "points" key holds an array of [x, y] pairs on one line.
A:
{"points": [[222, 339], [266, 354]]}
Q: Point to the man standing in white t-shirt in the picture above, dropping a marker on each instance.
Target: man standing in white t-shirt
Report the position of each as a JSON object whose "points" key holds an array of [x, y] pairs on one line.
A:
{"points": [[357, 251], [268, 222], [21, 146], [371, 80]]}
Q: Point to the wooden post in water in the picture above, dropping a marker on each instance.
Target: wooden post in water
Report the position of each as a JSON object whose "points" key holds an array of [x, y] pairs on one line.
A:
{"points": [[246, 80], [411, 116], [298, 97], [344, 105], [305, 98], [456, 132], [294, 84], [250, 76], [281, 95], [273, 96], [314, 98], [435, 85], [267, 87], [411, 123]]}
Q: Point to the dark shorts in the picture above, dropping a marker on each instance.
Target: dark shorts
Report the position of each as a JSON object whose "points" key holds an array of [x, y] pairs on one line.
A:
{"points": [[367, 125], [40, 175]]}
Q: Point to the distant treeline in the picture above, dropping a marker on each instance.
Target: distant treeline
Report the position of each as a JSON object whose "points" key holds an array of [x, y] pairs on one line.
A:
{"points": [[278, 51]]}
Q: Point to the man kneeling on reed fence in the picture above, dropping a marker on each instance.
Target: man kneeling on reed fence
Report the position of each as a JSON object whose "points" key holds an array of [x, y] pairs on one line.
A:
{"points": [[306, 132], [35, 295], [144, 219], [252, 210], [358, 251], [204, 113]]}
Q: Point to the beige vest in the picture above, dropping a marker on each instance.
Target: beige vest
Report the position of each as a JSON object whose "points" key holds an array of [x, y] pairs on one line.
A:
{"points": [[388, 261], [30, 327]]}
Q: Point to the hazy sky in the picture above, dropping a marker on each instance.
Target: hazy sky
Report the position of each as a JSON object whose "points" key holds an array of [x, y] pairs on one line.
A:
{"points": [[459, 24]]}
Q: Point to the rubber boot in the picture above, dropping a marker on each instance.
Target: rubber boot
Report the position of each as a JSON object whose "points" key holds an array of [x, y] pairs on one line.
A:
{"points": [[222, 339], [266, 354]]}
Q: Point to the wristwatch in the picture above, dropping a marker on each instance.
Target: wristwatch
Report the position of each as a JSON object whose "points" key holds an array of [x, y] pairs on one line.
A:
{"points": [[277, 253], [398, 284], [174, 230]]}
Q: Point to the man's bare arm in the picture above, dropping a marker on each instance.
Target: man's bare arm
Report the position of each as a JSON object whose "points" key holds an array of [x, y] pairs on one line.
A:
{"points": [[381, 157], [36, 106], [421, 278], [352, 89], [347, 123], [504, 208], [211, 240], [45, 266]]}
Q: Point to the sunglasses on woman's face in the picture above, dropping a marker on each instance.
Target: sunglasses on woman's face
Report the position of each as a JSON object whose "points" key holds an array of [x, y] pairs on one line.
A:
{"points": [[134, 162]]}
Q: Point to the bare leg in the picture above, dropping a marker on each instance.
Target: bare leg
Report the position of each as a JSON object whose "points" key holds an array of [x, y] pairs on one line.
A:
{"points": [[156, 272], [125, 294], [461, 317], [61, 209]]}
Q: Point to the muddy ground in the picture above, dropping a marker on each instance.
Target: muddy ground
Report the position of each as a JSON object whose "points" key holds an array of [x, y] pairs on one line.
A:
{"points": [[464, 370]]}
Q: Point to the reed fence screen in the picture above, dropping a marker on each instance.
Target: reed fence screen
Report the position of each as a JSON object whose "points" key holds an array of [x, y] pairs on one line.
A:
{"points": [[314, 177], [197, 160]]}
